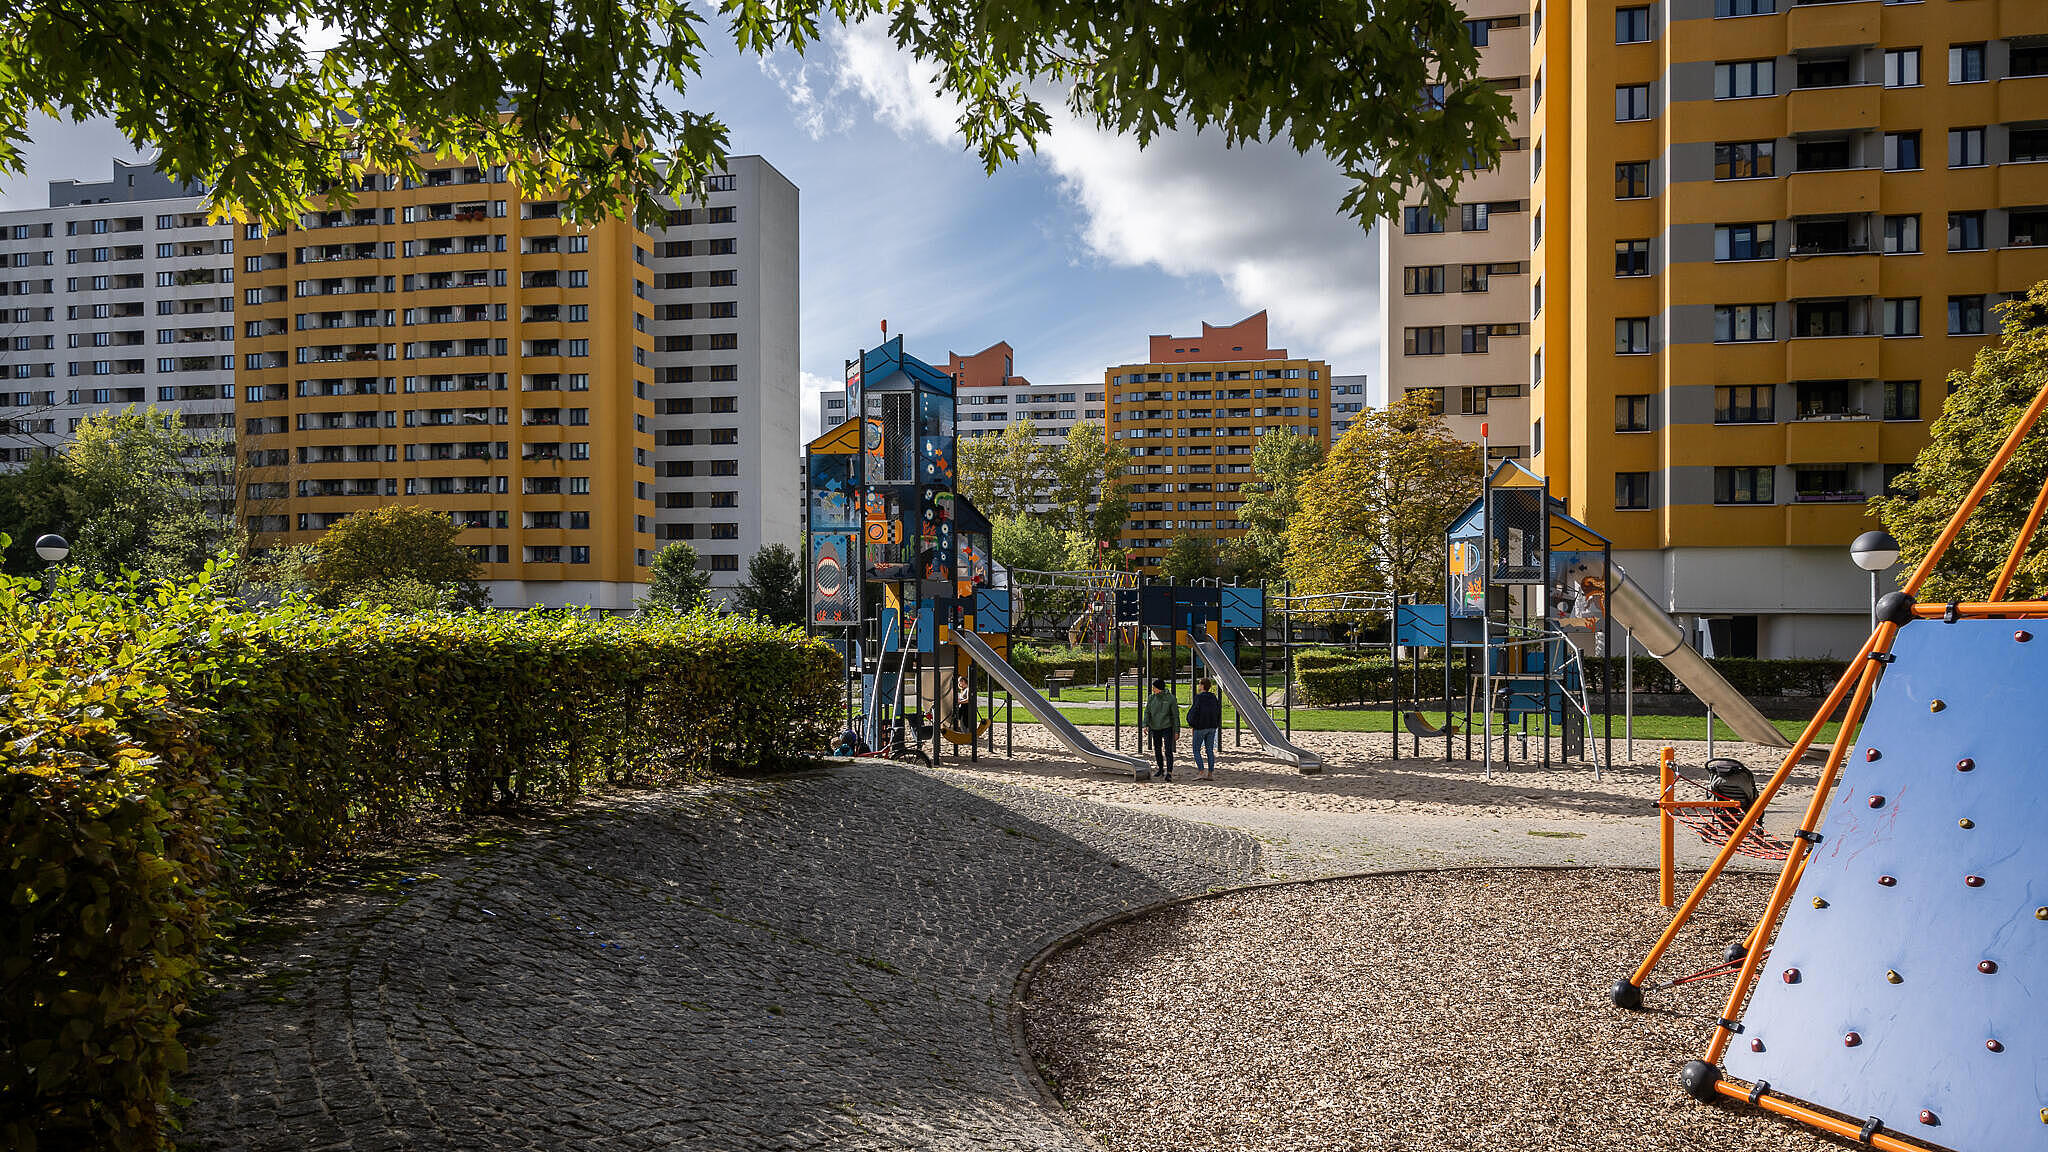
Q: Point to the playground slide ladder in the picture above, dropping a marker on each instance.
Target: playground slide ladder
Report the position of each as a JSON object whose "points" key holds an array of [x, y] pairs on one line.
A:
{"points": [[1061, 728], [1249, 706], [1659, 634]]}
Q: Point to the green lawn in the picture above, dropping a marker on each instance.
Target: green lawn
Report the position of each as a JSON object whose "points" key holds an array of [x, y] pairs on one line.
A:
{"points": [[1373, 720]]}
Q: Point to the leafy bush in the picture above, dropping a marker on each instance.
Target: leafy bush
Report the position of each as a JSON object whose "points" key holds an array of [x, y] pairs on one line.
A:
{"points": [[1756, 678], [164, 753]]}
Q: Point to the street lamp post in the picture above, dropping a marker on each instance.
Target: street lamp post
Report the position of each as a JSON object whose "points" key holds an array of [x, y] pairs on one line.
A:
{"points": [[1874, 551], [53, 549]]}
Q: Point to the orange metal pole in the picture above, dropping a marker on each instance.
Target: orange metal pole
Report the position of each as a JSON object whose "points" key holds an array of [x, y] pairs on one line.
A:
{"points": [[1756, 811], [1667, 851], [1821, 1120], [2019, 544], [2004, 609], [1955, 523], [1789, 877]]}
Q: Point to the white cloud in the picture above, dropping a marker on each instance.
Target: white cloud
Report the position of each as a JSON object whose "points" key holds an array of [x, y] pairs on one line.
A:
{"points": [[1261, 219], [816, 118], [814, 386]]}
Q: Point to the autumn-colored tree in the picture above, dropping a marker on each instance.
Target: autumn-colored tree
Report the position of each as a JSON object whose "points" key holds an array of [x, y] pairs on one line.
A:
{"points": [[1983, 404], [399, 554], [1372, 518]]}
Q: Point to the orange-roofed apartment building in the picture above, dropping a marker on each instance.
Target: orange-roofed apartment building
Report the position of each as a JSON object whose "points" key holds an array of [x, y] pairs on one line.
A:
{"points": [[1191, 415]]}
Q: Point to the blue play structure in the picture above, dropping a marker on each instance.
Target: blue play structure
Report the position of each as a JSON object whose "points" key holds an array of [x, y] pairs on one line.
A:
{"points": [[1905, 980]]}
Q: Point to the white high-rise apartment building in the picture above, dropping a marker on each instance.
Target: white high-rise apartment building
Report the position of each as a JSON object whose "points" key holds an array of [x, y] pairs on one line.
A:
{"points": [[993, 396], [727, 371], [119, 293], [1456, 290], [1348, 397]]}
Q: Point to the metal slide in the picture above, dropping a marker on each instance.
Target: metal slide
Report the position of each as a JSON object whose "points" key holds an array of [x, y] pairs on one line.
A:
{"points": [[1249, 706], [1633, 609], [1061, 728]]}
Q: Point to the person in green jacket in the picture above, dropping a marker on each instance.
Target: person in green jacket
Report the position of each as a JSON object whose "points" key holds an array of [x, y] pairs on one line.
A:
{"points": [[1162, 720]]}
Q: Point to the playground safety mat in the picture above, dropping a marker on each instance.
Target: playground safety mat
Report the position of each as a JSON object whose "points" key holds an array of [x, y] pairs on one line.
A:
{"points": [[1906, 982]]}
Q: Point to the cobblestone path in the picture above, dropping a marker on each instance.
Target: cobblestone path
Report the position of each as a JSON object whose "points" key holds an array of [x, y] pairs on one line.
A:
{"points": [[813, 962]]}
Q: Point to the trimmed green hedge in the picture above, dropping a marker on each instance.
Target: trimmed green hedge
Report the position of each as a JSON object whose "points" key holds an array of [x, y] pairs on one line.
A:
{"points": [[1754, 678], [164, 753]]}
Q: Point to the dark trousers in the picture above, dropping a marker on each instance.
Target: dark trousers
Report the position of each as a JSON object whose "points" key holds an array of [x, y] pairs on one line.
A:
{"points": [[1162, 750]]}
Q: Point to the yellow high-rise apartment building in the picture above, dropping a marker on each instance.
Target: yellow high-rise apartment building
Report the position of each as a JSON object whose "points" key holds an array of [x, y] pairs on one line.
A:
{"points": [[1191, 416], [1762, 233], [456, 345]]}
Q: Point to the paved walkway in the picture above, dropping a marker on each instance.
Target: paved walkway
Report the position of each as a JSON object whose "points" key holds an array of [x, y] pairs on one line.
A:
{"points": [[815, 962]]}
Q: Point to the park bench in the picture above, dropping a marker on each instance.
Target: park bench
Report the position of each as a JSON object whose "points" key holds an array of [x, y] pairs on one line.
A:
{"points": [[1057, 679]]}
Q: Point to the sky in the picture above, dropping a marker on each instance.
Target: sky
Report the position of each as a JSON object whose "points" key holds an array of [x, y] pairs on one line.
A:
{"points": [[1074, 254]]}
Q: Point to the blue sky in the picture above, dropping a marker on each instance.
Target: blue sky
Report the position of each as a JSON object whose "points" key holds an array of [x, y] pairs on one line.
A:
{"points": [[1074, 255]]}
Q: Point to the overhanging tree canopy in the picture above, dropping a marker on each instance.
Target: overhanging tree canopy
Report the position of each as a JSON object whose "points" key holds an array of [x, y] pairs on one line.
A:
{"points": [[272, 101]]}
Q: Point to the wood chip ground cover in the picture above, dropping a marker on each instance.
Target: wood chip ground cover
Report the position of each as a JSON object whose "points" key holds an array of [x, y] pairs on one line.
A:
{"points": [[1460, 1011]]}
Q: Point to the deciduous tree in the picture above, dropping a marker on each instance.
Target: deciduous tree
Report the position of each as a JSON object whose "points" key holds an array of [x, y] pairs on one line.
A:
{"points": [[673, 580], [1372, 517], [1003, 472], [1280, 462], [1983, 404], [1190, 558], [774, 587], [271, 101], [399, 554], [1085, 482]]}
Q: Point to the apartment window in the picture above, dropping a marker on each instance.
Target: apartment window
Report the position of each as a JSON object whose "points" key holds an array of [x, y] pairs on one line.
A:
{"points": [[1727, 8], [1632, 180], [1745, 404], [1477, 30], [1473, 278], [1827, 154], [1424, 280], [1742, 485], [1738, 322], [2028, 58], [2026, 145], [2027, 227], [1417, 220], [1744, 161], [1965, 231], [1745, 241], [1901, 151], [1742, 79], [1902, 68], [1966, 63], [1631, 257], [1902, 234], [1901, 316], [1631, 335], [1472, 217], [1966, 315], [1965, 147], [1631, 490], [1422, 341], [1902, 399], [1631, 102], [1632, 25], [1632, 413]]}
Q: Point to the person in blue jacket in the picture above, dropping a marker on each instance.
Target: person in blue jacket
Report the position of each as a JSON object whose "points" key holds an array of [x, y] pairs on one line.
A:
{"points": [[1205, 720]]}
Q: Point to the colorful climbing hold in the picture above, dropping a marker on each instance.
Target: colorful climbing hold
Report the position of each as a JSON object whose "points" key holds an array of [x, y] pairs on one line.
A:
{"points": [[1965, 764], [1974, 881], [1994, 1045], [1987, 967], [1791, 975], [1877, 801], [1819, 903], [1936, 705], [1892, 976], [2023, 636], [1966, 822], [1851, 1040], [1887, 881], [1872, 754], [1927, 1117], [1756, 1045]]}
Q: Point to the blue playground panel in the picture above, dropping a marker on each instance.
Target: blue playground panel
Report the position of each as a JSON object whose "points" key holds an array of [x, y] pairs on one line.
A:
{"points": [[991, 610], [1244, 607], [1906, 982], [1419, 625]]}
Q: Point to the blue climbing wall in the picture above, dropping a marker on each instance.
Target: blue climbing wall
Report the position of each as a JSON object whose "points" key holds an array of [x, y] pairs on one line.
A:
{"points": [[1909, 980]]}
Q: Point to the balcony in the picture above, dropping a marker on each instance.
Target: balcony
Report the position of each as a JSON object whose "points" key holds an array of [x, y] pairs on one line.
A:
{"points": [[1809, 524], [1826, 439], [1847, 24], [1831, 192], [2023, 183], [1832, 357], [1847, 108]]}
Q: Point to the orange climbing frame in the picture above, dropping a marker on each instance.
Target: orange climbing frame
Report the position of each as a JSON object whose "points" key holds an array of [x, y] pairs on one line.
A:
{"points": [[1857, 684]]}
